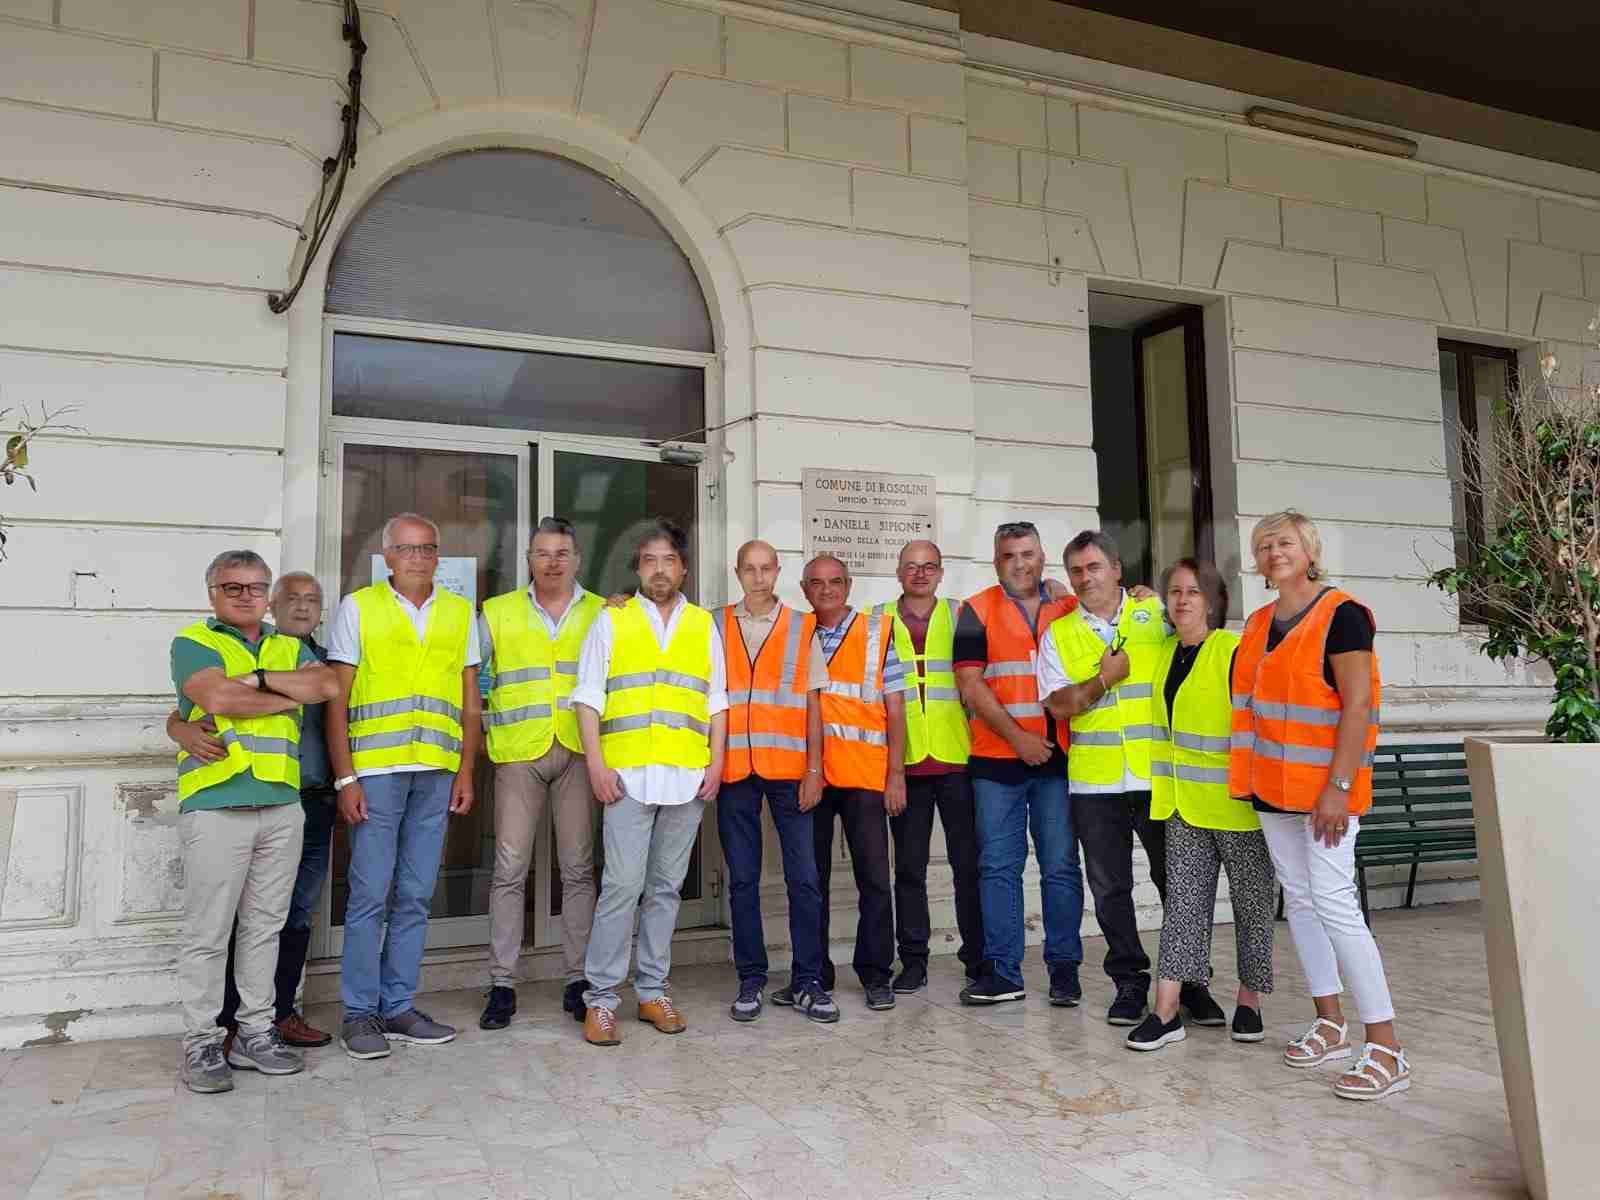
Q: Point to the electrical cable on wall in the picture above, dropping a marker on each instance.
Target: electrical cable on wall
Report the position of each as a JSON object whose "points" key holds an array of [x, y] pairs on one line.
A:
{"points": [[334, 170]]}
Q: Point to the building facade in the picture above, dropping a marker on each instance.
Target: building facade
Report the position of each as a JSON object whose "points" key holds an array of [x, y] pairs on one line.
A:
{"points": [[610, 257]]}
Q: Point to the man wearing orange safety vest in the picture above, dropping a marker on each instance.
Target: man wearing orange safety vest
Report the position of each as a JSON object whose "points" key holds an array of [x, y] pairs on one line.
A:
{"points": [[863, 764], [776, 672], [1019, 774]]}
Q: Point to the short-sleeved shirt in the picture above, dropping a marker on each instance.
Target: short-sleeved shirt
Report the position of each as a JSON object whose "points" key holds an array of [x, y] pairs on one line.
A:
{"points": [[190, 657], [1351, 631], [917, 627], [755, 631], [829, 638], [972, 650]]}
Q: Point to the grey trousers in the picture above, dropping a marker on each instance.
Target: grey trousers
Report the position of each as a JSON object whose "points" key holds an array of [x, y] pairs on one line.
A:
{"points": [[1195, 858], [647, 854], [520, 792], [236, 862]]}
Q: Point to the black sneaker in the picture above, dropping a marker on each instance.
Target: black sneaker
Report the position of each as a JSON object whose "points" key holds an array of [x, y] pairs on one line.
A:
{"points": [[498, 1012], [783, 997], [1065, 990], [880, 996], [572, 999], [913, 978], [814, 1003], [1154, 1033], [1195, 1001], [991, 989], [1129, 1006], [747, 1005], [1247, 1024]]}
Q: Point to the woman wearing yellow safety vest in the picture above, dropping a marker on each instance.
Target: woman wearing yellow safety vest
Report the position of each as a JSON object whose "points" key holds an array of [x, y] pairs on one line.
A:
{"points": [[1207, 829]]}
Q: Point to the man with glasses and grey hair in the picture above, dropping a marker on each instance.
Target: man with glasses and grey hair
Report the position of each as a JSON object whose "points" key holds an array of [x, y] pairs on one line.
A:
{"points": [[531, 639], [240, 820], [403, 735]]}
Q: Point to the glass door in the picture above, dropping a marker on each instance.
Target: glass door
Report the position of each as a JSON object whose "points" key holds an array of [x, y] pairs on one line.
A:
{"points": [[609, 495]]}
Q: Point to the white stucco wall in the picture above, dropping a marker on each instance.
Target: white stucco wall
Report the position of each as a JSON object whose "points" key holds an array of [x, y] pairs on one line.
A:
{"points": [[898, 232]]}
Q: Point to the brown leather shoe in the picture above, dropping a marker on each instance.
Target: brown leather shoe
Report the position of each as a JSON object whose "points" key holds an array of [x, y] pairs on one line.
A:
{"points": [[662, 1015], [600, 1027], [296, 1031]]}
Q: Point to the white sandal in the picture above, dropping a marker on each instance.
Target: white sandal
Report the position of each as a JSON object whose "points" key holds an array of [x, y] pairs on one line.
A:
{"points": [[1370, 1071], [1316, 1049]]}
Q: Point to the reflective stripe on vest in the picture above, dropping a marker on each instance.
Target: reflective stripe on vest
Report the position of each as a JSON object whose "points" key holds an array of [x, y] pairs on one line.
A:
{"points": [[767, 698], [657, 701], [405, 703], [1286, 717], [854, 725], [936, 722], [1189, 753], [269, 746], [1009, 673], [529, 705], [1111, 739]]}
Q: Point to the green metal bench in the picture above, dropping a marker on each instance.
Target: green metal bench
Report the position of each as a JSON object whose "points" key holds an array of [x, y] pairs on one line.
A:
{"points": [[1421, 812]]}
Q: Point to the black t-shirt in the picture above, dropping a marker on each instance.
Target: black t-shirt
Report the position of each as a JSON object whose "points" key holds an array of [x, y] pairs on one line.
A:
{"points": [[971, 649], [1350, 631]]}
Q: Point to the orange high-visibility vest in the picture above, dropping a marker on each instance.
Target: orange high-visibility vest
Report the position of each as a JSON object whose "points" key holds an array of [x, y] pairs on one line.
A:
{"points": [[1285, 716], [767, 698], [1009, 671], [855, 727]]}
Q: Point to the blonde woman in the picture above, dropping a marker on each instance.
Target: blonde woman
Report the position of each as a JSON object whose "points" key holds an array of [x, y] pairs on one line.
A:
{"points": [[1305, 722], [1207, 829]]}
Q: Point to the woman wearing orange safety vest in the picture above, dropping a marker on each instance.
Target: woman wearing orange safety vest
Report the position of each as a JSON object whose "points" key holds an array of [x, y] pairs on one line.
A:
{"points": [[1305, 723]]}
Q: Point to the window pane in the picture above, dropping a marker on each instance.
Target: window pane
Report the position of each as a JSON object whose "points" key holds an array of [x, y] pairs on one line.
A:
{"points": [[524, 242], [1450, 409], [402, 380], [609, 500], [1165, 379]]}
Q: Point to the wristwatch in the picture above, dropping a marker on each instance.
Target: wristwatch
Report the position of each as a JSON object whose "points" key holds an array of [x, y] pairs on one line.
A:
{"points": [[1344, 785], [339, 785]]}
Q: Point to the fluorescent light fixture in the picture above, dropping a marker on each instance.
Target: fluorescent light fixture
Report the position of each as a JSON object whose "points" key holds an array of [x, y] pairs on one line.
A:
{"points": [[1327, 131]]}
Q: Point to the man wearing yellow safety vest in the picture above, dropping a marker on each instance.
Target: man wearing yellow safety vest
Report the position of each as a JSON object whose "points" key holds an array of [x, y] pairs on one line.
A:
{"points": [[240, 820], [530, 639], [1096, 668], [652, 703], [403, 737], [937, 744], [863, 766]]}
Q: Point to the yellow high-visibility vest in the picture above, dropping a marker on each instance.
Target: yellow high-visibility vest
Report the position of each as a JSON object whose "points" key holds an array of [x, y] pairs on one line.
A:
{"points": [[530, 692], [268, 747], [658, 708], [936, 723], [1189, 753], [1115, 733], [405, 705]]}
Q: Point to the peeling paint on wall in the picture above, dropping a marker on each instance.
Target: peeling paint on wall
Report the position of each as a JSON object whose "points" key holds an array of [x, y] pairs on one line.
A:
{"points": [[57, 1023], [143, 801]]}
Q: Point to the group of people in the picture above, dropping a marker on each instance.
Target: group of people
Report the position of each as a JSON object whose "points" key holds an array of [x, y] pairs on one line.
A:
{"points": [[1084, 717]]}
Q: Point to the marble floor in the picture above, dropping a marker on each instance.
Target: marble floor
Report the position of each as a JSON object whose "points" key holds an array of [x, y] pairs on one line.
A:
{"points": [[930, 1100]]}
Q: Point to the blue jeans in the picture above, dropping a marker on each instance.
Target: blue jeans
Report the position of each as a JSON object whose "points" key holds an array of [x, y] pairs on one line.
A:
{"points": [[397, 845], [739, 825], [1006, 814], [321, 813]]}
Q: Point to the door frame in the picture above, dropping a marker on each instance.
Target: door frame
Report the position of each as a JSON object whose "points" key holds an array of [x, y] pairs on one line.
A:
{"points": [[535, 450]]}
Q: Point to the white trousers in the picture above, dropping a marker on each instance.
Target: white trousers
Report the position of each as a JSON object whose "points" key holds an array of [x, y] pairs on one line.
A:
{"points": [[1324, 912]]}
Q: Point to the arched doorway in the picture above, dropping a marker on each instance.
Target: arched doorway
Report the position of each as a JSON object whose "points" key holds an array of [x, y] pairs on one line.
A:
{"points": [[508, 334]]}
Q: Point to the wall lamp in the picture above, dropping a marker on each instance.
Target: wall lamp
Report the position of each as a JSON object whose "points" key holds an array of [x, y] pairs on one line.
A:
{"points": [[1326, 131]]}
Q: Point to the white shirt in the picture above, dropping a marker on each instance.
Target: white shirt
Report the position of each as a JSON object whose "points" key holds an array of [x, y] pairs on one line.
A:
{"points": [[655, 783], [344, 646], [1052, 676]]}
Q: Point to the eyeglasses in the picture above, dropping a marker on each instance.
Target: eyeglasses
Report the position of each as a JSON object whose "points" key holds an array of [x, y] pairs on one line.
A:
{"points": [[423, 550], [922, 568], [234, 590]]}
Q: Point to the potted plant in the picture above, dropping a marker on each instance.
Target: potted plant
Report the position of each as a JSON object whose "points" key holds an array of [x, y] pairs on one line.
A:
{"points": [[1534, 584]]}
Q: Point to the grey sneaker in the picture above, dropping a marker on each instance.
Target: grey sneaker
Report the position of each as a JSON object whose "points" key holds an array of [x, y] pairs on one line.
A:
{"points": [[363, 1037], [203, 1068], [266, 1052], [816, 1004], [418, 1028], [747, 1005]]}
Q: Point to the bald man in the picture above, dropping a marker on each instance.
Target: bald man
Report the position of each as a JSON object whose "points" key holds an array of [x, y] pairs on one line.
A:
{"points": [[776, 671]]}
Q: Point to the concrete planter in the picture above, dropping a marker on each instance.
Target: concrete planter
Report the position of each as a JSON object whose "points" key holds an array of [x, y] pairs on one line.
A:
{"points": [[1538, 814]]}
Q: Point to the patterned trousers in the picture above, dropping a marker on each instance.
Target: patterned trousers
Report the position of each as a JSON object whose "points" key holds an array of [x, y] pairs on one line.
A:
{"points": [[1195, 857]]}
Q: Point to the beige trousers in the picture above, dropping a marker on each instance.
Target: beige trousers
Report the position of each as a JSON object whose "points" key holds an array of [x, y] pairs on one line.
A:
{"points": [[236, 863], [520, 791]]}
